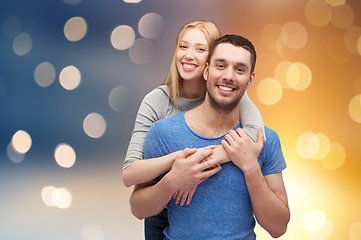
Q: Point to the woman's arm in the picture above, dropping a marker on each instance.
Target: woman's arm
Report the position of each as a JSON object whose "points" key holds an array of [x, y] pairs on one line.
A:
{"points": [[135, 170], [141, 171], [251, 118]]}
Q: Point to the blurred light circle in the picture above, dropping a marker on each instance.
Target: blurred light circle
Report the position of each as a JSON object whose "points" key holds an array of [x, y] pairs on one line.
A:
{"points": [[342, 16], [69, 77], [142, 51], [298, 76], [13, 155], [324, 233], [65, 155], [132, 1], [335, 2], [280, 73], [359, 45], [61, 198], [21, 141], [355, 231], [72, 2], [22, 44], [314, 221], [325, 146], [354, 108], [307, 145], [280, 48], [44, 74], [293, 75], [351, 37], [122, 37], [12, 26], [47, 195], [294, 35], [75, 29], [119, 98], [335, 158], [317, 13], [271, 33], [94, 125], [151, 25], [269, 91], [337, 50], [92, 232]]}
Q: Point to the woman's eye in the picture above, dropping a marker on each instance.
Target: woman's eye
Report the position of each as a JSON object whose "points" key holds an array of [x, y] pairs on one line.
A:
{"points": [[182, 47], [201, 49]]}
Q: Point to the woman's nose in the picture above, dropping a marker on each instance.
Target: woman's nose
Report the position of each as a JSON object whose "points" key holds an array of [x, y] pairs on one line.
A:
{"points": [[189, 54]]}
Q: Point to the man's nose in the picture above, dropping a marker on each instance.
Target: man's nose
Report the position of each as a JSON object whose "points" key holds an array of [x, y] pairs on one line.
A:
{"points": [[228, 74]]}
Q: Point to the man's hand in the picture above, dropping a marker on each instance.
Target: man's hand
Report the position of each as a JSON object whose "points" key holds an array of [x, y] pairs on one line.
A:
{"points": [[190, 168], [241, 149]]}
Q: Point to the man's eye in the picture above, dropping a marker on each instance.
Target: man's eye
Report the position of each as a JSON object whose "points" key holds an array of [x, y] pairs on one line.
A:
{"points": [[220, 66]]}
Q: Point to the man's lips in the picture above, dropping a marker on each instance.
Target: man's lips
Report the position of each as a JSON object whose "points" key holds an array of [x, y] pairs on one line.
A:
{"points": [[226, 88]]}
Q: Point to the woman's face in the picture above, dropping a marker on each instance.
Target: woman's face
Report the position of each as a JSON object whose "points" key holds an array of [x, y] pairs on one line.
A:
{"points": [[192, 53]]}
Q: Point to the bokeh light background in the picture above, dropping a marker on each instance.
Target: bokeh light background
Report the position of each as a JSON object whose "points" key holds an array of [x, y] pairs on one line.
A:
{"points": [[72, 76]]}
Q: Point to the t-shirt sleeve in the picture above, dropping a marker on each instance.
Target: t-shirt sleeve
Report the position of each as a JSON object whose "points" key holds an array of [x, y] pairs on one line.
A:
{"points": [[272, 159], [153, 143], [151, 109]]}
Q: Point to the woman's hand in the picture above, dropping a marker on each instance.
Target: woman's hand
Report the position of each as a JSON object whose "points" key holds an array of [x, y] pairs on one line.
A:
{"points": [[189, 159], [184, 196], [220, 153]]}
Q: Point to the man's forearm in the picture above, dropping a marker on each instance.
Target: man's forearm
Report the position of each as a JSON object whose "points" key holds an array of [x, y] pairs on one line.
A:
{"points": [[148, 200], [271, 210]]}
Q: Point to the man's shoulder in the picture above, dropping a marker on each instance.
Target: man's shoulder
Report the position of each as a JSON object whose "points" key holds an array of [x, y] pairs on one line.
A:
{"points": [[273, 140], [169, 122], [270, 133]]}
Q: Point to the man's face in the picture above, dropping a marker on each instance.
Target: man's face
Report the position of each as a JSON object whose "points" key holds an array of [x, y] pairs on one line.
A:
{"points": [[228, 76]]}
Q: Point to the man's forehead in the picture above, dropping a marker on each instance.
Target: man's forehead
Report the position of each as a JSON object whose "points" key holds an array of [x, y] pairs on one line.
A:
{"points": [[230, 52]]}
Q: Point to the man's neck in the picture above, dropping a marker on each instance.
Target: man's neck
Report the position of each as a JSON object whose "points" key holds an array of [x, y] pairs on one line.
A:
{"points": [[210, 122]]}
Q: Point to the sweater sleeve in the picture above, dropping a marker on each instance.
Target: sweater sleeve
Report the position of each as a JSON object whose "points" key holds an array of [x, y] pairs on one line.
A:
{"points": [[152, 108], [251, 118]]}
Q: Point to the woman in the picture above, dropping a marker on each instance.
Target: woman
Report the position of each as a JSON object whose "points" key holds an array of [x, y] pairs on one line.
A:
{"points": [[183, 89]]}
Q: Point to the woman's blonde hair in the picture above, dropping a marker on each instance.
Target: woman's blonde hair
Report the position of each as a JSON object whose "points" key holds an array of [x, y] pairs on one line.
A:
{"points": [[173, 80]]}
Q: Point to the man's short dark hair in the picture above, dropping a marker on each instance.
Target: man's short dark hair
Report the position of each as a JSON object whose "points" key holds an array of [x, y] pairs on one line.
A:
{"points": [[235, 40]]}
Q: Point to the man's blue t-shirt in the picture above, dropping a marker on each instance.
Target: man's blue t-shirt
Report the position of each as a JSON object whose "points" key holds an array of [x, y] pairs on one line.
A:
{"points": [[221, 206]]}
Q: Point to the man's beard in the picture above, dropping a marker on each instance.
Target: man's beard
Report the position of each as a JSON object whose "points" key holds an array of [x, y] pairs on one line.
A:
{"points": [[223, 107]]}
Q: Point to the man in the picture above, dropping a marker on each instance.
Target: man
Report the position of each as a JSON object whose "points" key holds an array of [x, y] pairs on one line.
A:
{"points": [[226, 199]]}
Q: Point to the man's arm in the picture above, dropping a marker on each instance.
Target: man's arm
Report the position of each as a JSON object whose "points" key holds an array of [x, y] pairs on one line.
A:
{"points": [[188, 171], [269, 201], [267, 193]]}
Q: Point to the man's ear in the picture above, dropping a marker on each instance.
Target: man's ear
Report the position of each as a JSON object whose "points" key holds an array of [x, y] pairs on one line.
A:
{"points": [[205, 72], [251, 80]]}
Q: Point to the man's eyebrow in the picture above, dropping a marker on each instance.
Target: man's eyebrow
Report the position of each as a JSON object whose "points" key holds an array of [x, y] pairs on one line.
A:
{"points": [[220, 60], [242, 65]]}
